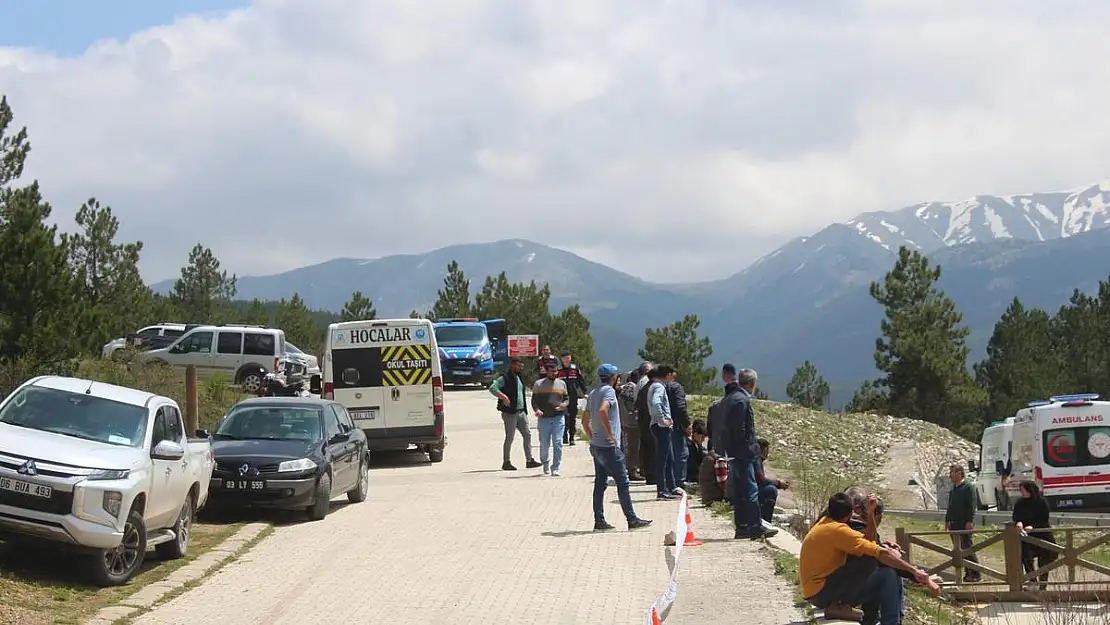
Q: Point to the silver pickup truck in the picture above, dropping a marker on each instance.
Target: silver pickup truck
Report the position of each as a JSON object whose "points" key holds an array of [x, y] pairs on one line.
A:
{"points": [[105, 469]]}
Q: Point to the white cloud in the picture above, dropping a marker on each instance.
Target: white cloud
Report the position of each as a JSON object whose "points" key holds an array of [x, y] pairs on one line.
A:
{"points": [[697, 133]]}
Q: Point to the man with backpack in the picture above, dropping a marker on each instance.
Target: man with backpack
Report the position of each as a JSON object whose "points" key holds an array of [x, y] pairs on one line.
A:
{"points": [[630, 427]]}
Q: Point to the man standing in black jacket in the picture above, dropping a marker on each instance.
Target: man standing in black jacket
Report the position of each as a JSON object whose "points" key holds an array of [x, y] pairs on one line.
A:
{"points": [[680, 416], [742, 447], [576, 389]]}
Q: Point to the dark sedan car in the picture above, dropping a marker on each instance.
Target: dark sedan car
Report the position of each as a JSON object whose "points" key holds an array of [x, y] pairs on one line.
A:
{"points": [[290, 453]]}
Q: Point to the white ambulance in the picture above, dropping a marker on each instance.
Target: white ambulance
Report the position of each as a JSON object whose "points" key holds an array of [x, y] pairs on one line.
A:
{"points": [[386, 372], [1063, 444]]}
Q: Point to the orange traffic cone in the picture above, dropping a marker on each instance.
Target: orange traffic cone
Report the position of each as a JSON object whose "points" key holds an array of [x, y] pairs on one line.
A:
{"points": [[691, 540]]}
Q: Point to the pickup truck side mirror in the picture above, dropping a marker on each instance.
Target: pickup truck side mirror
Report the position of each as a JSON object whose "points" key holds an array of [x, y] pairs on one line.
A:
{"points": [[972, 466], [167, 450], [176, 349], [1000, 467], [340, 438], [202, 433]]}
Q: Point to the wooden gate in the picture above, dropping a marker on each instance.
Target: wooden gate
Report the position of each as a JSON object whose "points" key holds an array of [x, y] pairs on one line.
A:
{"points": [[1086, 580]]}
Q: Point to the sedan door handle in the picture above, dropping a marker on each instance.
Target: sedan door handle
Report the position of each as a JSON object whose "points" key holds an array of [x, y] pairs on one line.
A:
{"points": [[1094, 473]]}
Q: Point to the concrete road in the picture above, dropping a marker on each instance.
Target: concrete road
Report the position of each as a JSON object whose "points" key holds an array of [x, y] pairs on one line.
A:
{"points": [[455, 542]]}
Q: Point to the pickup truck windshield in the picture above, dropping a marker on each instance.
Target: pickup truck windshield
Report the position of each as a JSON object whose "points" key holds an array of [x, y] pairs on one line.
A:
{"points": [[77, 415], [271, 423], [460, 336]]}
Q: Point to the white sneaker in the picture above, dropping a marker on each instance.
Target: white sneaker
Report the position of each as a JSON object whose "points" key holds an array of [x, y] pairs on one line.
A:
{"points": [[545, 471], [555, 473]]}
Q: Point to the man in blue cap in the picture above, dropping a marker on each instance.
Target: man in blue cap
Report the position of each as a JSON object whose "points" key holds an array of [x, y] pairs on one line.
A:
{"points": [[602, 423]]}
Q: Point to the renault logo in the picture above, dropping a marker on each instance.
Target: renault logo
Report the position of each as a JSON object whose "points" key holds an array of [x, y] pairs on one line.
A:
{"points": [[395, 393], [28, 468], [245, 469]]}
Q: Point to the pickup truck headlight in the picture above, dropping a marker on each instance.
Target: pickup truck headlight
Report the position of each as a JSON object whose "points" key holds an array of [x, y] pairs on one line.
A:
{"points": [[109, 474], [113, 500], [296, 466]]}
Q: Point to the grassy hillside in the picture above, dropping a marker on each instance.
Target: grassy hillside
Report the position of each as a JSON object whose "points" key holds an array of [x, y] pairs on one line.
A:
{"points": [[822, 452]]}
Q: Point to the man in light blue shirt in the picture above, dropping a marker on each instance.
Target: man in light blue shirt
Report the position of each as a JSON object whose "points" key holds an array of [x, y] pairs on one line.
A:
{"points": [[602, 423], [662, 427]]}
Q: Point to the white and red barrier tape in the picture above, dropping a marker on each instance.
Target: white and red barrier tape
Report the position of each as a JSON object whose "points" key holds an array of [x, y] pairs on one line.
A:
{"points": [[661, 606]]}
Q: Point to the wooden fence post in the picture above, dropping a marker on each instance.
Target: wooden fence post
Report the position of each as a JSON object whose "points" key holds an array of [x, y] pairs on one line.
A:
{"points": [[192, 410], [1011, 546]]}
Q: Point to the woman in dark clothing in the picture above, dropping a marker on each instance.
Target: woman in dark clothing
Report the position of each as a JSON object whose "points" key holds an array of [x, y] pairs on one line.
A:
{"points": [[1031, 518]]}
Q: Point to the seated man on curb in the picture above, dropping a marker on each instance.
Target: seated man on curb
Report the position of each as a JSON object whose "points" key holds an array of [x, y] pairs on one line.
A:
{"points": [[839, 568], [768, 488], [860, 523], [713, 479]]}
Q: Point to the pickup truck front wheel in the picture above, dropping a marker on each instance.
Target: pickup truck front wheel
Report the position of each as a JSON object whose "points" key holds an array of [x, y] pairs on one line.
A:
{"points": [[116, 567], [179, 546]]}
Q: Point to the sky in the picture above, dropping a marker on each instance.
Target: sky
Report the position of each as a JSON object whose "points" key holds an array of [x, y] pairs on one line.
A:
{"points": [[677, 140]]}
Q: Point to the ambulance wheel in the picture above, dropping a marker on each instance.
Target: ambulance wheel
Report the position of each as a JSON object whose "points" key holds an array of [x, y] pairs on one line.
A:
{"points": [[435, 455]]}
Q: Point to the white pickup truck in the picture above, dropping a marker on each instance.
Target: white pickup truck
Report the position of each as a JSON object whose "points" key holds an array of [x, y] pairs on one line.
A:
{"points": [[105, 469]]}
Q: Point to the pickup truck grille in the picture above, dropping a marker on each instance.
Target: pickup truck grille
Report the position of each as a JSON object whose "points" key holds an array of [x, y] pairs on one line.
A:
{"points": [[59, 503], [232, 466]]}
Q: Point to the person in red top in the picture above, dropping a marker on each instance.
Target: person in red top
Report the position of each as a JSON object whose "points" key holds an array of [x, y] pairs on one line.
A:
{"points": [[545, 359], [576, 389]]}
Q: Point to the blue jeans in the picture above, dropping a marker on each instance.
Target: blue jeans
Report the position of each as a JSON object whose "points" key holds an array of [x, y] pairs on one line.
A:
{"points": [[681, 455], [745, 496], [768, 496], [664, 460], [609, 463], [551, 433], [861, 581]]}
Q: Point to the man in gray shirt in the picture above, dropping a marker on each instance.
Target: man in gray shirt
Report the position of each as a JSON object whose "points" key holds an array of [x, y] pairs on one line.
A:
{"points": [[602, 423]]}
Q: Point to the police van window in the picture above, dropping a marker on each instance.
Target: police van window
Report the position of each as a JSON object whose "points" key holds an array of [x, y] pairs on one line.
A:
{"points": [[230, 343], [257, 344], [173, 334], [147, 333], [1077, 447], [197, 342]]}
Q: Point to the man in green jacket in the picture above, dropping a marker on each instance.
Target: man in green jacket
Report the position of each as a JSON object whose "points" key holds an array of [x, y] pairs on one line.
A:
{"points": [[961, 516], [511, 403]]}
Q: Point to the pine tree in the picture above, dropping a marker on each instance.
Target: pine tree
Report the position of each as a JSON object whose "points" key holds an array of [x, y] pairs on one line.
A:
{"points": [[679, 345], [38, 305], [298, 323], [204, 291], [453, 300], [869, 397], [923, 350], [1081, 336], [116, 301], [1022, 363], [807, 387], [358, 308]]}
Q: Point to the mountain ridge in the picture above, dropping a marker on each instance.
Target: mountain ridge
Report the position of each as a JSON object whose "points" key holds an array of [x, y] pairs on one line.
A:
{"points": [[805, 300]]}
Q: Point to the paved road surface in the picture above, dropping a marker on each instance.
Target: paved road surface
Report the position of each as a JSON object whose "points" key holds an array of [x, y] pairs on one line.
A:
{"points": [[463, 542], [455, 542]]}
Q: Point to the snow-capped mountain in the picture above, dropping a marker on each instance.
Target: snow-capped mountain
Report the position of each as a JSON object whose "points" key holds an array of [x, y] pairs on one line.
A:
{"points": [[1030, 217]]}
